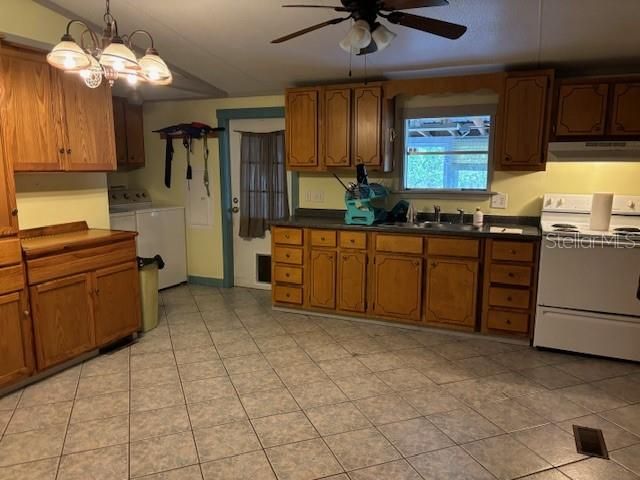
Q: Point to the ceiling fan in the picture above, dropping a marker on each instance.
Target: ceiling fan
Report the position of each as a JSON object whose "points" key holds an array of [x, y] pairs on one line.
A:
{"points": [[367, 35]]}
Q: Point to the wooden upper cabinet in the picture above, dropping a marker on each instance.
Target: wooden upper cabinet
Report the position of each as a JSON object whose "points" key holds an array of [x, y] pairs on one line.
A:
{"points": [[451, 293], [337, 127], [302, 124], [120, 130], [322, 287], [352, 281], [8, 208], [582, 110], [524, 121], [30, 111], [135, 136], [397, 286], [625, 110], [367, 125], [117, 308], [89, 126], [63, 319], [16, 347]]}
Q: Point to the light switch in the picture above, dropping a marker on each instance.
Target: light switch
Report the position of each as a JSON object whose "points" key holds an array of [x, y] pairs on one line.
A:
{"points": [[499, 200]]}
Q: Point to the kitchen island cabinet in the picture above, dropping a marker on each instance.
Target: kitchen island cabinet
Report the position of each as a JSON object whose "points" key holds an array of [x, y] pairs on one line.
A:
{"points": [[468, 281]]}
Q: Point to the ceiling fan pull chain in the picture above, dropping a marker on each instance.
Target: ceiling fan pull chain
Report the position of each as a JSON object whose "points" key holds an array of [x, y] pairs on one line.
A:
{"points": [[350, 62]]}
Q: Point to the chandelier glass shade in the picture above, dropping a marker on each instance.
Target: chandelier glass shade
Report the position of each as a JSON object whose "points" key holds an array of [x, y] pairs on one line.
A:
{"points": [[109, 58]]}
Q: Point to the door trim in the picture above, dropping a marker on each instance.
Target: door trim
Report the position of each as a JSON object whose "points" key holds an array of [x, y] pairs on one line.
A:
{"points": [[224, 118]]}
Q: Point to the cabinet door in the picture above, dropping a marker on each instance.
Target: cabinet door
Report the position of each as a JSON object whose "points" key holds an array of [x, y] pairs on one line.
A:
{"points": [[397, 286], [89, 126], [30, 111], [625, 110], [524, 120], [8, 209], [337, 127], [16, 341], [451, 291], [322, 291], [135, 136], [120, 130], [367, 125], [302, 128], [352, 281], [582, 110], [63, 319], [117, 302]]}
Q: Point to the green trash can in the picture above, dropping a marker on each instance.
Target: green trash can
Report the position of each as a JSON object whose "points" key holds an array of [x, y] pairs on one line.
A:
{"points": [[148, 268]]}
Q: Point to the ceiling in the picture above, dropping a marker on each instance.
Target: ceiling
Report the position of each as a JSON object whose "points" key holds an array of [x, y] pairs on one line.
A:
{"points": [[221, 47]]}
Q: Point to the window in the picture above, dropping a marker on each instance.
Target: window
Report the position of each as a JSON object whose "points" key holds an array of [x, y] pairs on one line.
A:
{"points": [[446, 152]]}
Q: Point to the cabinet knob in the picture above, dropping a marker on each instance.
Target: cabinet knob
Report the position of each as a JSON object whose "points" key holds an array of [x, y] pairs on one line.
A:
{"points": [[287, 275], [97, 291], [68, 151], [353, 240], [287, 255], [287, 295], [511, 275], [508, 322], [512, 252], [61, 150], [322, 239], [14, 212], [286, 235], [26, 313], [509, 298]]}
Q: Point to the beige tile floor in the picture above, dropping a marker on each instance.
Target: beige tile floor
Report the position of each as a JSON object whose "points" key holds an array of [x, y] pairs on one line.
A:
{"points": [[226, 388]]}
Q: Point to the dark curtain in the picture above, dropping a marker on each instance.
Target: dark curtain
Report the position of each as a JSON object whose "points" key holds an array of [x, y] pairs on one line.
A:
{"points": [[263, 182]]}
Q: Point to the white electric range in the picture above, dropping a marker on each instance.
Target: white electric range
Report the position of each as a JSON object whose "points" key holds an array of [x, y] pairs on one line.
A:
{"points": [[589, 281]]}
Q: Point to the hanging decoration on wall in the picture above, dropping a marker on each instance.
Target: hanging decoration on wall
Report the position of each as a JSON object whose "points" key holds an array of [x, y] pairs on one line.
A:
{"points": [[110, 57], [188, 132]]}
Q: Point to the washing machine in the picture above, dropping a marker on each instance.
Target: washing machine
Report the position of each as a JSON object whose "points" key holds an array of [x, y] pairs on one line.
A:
{"points": [[161, 231]]}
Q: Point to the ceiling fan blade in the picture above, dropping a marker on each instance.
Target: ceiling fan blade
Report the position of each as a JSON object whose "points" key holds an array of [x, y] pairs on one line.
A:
{"points": [[391, 5], [429, 25], [337, 9], [333, 21]]}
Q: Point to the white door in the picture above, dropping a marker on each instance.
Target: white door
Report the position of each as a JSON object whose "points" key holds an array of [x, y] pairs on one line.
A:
{"points": [[245, 252]]}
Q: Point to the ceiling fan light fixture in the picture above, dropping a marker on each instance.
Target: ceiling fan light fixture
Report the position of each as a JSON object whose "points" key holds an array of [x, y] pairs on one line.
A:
{"points": [[360, 34], [154, 69], [67, 55], [382, 36], [119, 57]]}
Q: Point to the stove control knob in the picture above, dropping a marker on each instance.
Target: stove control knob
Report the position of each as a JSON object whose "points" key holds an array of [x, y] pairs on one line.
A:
{"points": [[126, 196], [549, 202], [631, 204], [560, 202]]}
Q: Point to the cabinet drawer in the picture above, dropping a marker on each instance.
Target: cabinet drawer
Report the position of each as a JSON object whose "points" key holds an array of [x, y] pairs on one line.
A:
{"points": [[10, 252], [287, 294], [509, 321], [356, 240], [399, 244], [287, 236], [11, 279], [453, 247], [514, 251], [508, 297], [287, 274], [511, 274], [323, 238], [287, 255], [80, 261]]}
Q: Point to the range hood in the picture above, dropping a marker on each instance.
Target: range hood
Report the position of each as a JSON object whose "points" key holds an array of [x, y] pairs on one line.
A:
{"points": [[612, 150]]}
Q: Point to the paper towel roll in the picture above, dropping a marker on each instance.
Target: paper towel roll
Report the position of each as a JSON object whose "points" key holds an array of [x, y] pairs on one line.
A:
{"points": [[601, 206]]}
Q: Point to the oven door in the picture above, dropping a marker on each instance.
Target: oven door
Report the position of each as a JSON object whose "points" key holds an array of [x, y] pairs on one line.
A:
{"points": [[584, 274]]}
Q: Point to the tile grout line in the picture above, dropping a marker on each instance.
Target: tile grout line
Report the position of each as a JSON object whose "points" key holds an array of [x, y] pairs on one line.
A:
{"points": [[64, 441]]}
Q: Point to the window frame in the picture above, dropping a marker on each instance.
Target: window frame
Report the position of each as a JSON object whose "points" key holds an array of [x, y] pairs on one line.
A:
{"points": [[445, 111]]}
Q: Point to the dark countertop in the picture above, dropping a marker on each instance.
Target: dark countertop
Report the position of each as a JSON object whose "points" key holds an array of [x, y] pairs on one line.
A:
{"points": [[335, 220]]}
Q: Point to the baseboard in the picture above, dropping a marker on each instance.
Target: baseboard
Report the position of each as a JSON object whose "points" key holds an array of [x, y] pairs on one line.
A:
{"points": [[206, 281]]}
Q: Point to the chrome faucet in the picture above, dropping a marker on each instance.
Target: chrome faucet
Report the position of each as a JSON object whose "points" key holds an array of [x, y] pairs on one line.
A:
{"points": [[460, 215], [436, 213]]}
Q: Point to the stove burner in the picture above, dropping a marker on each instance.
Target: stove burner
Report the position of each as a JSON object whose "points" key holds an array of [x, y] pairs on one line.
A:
{"points": [[564, 226], [623, 230]]}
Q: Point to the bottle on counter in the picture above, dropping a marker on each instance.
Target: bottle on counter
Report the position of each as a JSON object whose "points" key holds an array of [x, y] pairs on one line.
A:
{"points": [[478, 218]]}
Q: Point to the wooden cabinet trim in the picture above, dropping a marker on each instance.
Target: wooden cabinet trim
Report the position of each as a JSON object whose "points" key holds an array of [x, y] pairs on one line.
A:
{"points": [[460, 279], [404, 290], [11, 279], [322, 285], [512, 251], [287, 274], [10, 252], [302, 127], [509, 297], [284, 294], [508, 320]]}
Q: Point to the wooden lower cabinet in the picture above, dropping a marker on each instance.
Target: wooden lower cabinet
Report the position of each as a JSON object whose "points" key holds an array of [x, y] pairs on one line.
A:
{"points": [[16, 340], [322, 282], [397, 286], [63, 319], [451, 292], [117, 311], [352, 281]]}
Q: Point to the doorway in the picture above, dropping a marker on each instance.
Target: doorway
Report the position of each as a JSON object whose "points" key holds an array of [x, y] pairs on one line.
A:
{"points": [[250, 254]]}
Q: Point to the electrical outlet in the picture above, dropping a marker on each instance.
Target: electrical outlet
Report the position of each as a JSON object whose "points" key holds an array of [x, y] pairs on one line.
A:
{"points": [[499, 200], [314, 197]]}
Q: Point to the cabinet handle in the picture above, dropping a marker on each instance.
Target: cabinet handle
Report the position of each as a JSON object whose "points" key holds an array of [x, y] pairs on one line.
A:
{"points": [[287, 255], [14, 212], [512, 252], [287, 275], [509, 298], [511, 275], [26, 313], [433, 264], [61, 150], [322, 239], [508, 322], [97, 291], [287, 295], [352, 240], [68, 151], [286, 235]]}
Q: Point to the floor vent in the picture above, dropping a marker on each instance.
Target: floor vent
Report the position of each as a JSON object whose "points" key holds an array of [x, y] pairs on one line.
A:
{"points": [[590, 442], [263, 264]]}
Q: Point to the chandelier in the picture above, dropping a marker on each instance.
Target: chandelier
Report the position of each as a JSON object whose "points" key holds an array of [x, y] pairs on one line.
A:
{"points": [[109, 58]]}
